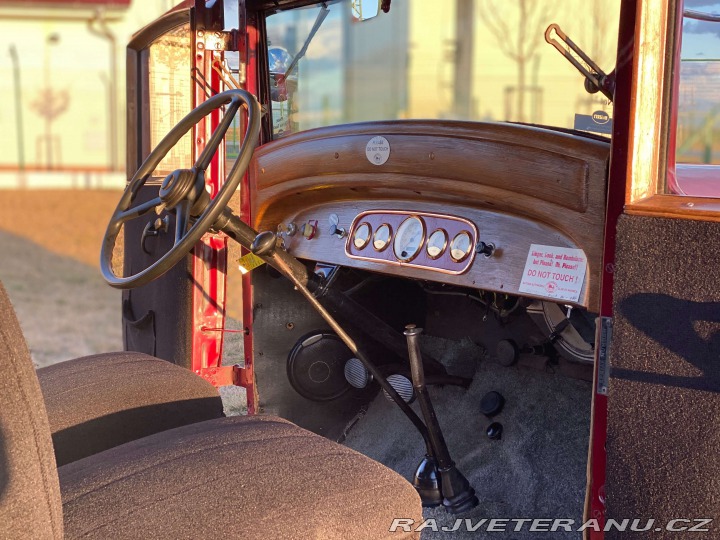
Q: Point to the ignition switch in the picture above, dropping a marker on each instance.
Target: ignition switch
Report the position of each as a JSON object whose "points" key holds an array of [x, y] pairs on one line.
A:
{"points": [[288, 229]]}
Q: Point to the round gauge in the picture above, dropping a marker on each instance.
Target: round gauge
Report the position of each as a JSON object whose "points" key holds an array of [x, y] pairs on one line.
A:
{"points": [[461, 246], [381, 240], [409, 239], [436, 244], [362, 235]]}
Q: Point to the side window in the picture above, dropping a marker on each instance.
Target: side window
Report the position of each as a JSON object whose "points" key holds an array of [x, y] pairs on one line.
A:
{"points": [[697, 101], [170, 99]]}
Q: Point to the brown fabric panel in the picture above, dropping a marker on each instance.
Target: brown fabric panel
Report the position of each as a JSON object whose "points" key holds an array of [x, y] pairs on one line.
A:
{"points": [[105, 400], [30, 504], [663, 440], [239, 477]]}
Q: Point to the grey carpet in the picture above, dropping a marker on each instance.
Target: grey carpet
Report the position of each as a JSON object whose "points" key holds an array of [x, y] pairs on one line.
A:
{"points": [[537, 469]]}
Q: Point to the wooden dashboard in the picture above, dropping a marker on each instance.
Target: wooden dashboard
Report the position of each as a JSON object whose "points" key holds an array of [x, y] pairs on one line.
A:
{"points": [[523, 190]]}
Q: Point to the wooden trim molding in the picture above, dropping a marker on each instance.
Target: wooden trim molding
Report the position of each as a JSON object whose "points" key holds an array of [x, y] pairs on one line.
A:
{"points": [[650, 89], [676, 206], [519, 184], [655, 54]]}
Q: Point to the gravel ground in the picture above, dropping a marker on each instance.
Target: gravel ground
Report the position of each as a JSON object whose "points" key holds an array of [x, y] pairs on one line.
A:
{"points": [[50, 244], [49, 263], [65, 308]]}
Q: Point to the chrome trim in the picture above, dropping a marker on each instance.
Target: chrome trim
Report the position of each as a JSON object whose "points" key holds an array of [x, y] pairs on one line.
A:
{"points": [[367, 240], [422, 241], [390, 237], [471, 248], [462, 270], [443, 248]]}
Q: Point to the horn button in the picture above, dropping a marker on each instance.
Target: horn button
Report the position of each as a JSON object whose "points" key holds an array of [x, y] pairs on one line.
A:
{"points": [[177, 186]]}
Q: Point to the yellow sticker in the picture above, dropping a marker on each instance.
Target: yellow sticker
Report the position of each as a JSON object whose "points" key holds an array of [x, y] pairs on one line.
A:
{"points": [[249, 262]]}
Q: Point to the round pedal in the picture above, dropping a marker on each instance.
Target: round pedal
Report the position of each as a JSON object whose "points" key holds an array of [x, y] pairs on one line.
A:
{"points": [[402, 386], [316, 366], [357, 374]]}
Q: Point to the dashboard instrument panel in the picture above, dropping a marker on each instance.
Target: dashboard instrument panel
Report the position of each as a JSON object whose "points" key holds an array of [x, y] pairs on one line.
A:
{"points": [[437, 242]]}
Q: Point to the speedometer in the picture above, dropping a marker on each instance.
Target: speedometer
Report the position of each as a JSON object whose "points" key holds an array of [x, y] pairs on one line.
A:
{"points": [[409, 239]]}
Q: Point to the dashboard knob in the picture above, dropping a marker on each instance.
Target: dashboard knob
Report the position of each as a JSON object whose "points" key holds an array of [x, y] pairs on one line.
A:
{"points": [[309, 229], [338, 231], [486, 249], [264, 243], [288, 230]]}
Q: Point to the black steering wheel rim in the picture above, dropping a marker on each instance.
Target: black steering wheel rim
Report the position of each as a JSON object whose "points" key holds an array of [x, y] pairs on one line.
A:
{"points": [[210, 213]]}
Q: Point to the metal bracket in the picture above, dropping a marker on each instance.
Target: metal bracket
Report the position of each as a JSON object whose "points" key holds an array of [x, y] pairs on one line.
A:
{"points": [[214, 41], [603, 355]]}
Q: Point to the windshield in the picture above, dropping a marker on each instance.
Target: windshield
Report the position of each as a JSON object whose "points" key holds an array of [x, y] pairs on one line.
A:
{"points": [[482, 61]]}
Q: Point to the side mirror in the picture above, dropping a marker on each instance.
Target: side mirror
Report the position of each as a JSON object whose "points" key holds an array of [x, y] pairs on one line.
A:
{"points": [[362, 10]]}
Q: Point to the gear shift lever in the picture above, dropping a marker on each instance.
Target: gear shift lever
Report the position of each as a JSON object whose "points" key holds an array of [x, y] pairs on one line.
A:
{"points": [[458, 495]]}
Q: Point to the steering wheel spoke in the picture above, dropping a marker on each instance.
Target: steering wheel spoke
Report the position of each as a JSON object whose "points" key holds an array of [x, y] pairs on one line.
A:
{"points": [[182, 217], [217, 136], [137, 211]]}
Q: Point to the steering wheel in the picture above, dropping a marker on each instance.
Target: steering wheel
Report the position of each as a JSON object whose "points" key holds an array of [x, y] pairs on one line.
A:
{"points": [[183, 191]]}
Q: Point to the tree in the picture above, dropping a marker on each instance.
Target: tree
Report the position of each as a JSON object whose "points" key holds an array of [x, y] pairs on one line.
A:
{"points": [[518, 34], [50, 104]]}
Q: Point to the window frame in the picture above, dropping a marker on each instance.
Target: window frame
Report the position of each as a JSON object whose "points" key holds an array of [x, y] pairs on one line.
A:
{"points": [[653, 119]]}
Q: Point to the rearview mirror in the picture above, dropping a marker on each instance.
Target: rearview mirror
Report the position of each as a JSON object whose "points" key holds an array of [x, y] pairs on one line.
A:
{"points": [[362, 10]]}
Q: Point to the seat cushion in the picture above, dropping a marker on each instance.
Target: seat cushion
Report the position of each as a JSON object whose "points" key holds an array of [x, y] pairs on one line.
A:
{"points": [[29, 491], [238, 477], [101, 401]]}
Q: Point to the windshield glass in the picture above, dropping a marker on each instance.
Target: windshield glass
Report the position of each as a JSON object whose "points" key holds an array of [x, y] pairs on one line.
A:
{"points": [[483, 61]]}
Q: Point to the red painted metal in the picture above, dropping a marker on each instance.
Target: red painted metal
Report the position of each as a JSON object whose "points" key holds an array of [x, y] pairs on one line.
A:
{"points": [[210, 254], [249, 52], [617, 184]]}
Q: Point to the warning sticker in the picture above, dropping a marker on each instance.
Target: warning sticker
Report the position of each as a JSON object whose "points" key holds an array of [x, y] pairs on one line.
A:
{"points": [[249, 262], [554, 272]]}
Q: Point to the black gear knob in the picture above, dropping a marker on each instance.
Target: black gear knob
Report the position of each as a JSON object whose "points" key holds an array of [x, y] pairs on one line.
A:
{"points": [[264, 243]]}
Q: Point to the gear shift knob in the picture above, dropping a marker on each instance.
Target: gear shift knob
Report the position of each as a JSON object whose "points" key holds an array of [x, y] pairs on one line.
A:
{"points": [[264, 243]]}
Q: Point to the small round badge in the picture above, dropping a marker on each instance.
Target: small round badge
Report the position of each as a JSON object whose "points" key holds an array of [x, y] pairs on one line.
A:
{"points": [[377, 150]]}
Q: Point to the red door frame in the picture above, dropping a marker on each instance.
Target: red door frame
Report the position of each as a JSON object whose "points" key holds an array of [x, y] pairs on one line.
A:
{"points": [[617, 185], [210, 264]]}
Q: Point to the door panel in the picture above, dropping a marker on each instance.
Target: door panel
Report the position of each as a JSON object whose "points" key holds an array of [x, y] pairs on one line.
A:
{"points": [[664, 395]]}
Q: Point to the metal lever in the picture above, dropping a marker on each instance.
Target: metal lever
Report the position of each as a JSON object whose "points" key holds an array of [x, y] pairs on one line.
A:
{"points": [[599, 80], [457, 494], [153, 228]]}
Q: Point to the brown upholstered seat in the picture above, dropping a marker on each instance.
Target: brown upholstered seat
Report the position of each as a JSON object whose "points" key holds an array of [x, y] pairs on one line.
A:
{"points": [[234, 478], [255, 478], [101, 401]]}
